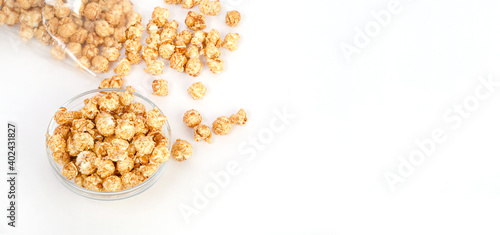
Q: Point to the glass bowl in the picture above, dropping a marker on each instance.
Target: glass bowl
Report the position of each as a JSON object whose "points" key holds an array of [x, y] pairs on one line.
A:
{"points": [[77, 103]]}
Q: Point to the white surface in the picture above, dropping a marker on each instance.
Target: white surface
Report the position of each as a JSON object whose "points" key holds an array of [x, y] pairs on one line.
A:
{"points": [[324, 174]]}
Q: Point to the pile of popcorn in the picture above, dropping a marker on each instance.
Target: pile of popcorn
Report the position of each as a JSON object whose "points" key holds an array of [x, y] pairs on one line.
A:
{"points": [[112, 143]]}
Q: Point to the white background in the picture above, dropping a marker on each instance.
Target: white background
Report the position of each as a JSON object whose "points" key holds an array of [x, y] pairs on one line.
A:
{"points": [[324, 173]]}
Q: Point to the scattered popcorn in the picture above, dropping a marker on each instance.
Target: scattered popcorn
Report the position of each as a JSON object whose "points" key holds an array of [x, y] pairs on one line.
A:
{"points": [[123, 67], [113, 82], [221, 126], [215, 65], [166, 51], [178, 61], [231, 41], [210, 7], [233, 18], [155, 67], [194, 67], [160, 16], [212, 37], [239, 118], [195, 21], [197, 90], [182, 150], [192, 52], [160, 87], [192, 118], [160, 154], [199, 38], [211, 51], [155, 119], [188, 4], [202, 132]]}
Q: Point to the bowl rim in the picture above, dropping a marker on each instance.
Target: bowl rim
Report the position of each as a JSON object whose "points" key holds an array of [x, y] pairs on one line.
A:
{"points": [[108, 196]]}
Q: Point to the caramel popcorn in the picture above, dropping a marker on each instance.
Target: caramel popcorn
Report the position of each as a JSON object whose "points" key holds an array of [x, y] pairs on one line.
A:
{"points": [[239, 118], [82, 125], [74, 48], [173, 1], [86, 162], [182, 150], [221, 126], [192, 52], [199, 38], [160, 154], [178, 61], [202, 132], [211, 51], [105, 168], [69, 170], [160, 16], [56, 143], [63, 116], [133, 46], [144, 145], [112, 183], [166, 51], [168, 35], [105, 124], [197, 90], [195, 21], [212, 37], [210, 7], [233, 18], [132, 179], [83, 141], [111, 53], [58, 53], [63, 131], [192, 118], [194, 67], [109, 102], [133, 57], [160, 87], [148, 170], [135, 32], [67, 29], [93, 182], [125, 129], [185, 36], [152, 27], [92, 10], [155, 67], [90, 51], [127, 96], [155, 119], [113, 82], [123, 67], [215, 65], [79, 180], [100, 64], [231, 41], [125, 165]]}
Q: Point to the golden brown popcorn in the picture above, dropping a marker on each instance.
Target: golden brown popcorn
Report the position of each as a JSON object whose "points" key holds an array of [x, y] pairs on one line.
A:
{"points": [[153, 40], [86, 162], [66, 29], [125, 165], [192, 118], [109, 102], [194, 67], [210, 7], [133, 57], [134, 19], [195, 21], [188, 4], [63, 116], [133, 46], [80, 36], [202, 132], [90, 51], [127, 97], [149, 54], [160, 87], [135, 32], [158, 137], [140, 125], [178, 61], [192, 52], [168, 35], [83, 63], [100, 64], [90, 109], [42, 35], [231, 41], [63, 130], [112, 183], [197, 90], [83, 141], [173, 1], [233, 18], [111, 53], [148, 170], [215, 65], [105, 168], [94, 39], [93, 182], [92, 11], [58, 52], [125, 129], [61, 10], [56, 143], [26, 32], [120, 34], [211, 51], [166, 51], [198, 38], [144, 145], [185, 36], [152, 27], [113, 82], [123, 67], [155, 67], [105, 124], [79, 180], [103, 29], [128, 116], [74, 48], [160, 154], [155, 119], [70, 171], [82, 125], [180, 47], [132, 179], [138, 108], [212, 37], [182, 150], [118, 150], [221, 126], [239, 118], [160, 16]]}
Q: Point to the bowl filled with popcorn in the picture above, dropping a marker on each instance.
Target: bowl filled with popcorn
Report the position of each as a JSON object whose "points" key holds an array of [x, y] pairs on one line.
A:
{"points": [[108, 144]]}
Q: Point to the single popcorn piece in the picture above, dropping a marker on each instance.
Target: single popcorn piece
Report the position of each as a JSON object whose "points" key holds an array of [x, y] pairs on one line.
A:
{"points": [[74, 48], [111, 53], [197, 90], [168, 34], [131, 179], [100, 64], [173, 1], [144, 145], [105, 168], [105, 124], [210, 7], [103, 29], [135, 32], [123, 67], [166, 51], [79, 180], [66, 29], [125, 165], [56, 143], [239, 118], [83, 141], [92, 11], [82, 125], [90, 110], [85, 161], [221, 126], [63, 116], [202, 132], [215, 65], [212, 37], [148, 170], [154, 40], [133, 57], [155, 119], [158, 137], [138, 108], [152, 27], [180, 47], [113, 82], [199, 38], [182, 150], [70, 171], [195, 21], [112, 183], [192, 118], [90, 51], [63, 131], [160, 16], [93, 182], [160, 87], [194, 67], [233, 18], [185, 36], [160, 154], [58, 52], [188, 4], [155, 67], [61, 158], [118, 150], [126, 97], [109, 102], [211, 51], [231, 41], [192, 52], [133, 46], [125, 129], [178, 61]]}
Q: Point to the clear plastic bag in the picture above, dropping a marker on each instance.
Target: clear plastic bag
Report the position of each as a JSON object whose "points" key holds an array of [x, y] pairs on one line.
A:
{"points": [[88, 34]]}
